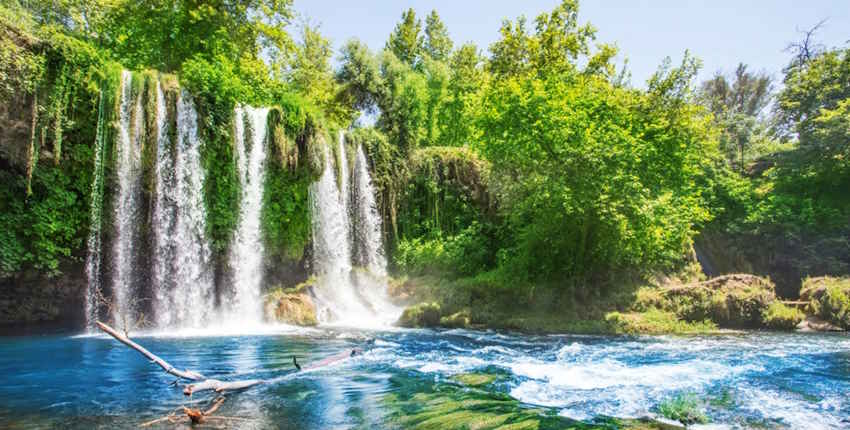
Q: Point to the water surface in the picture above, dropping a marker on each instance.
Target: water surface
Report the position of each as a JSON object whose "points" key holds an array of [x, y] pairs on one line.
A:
{"points": [[747, 380]]}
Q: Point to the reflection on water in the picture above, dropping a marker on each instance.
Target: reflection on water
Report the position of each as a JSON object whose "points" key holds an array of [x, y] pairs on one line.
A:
{"points": [[771, 380]]}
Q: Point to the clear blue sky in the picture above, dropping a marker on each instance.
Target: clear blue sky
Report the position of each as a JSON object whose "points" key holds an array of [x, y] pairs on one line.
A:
{"points": [[721, 33]]}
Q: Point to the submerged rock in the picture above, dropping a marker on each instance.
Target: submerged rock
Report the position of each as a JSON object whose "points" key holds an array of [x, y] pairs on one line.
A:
{"points": [[291, 308]]}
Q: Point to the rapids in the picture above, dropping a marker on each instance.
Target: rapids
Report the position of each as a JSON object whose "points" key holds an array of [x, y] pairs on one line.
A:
{"points": [[746, 380]]}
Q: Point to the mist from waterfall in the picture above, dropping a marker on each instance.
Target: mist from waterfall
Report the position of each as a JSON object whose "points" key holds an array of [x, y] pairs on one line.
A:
{"points": [[126, 217], [346, 295], [244, 302]]}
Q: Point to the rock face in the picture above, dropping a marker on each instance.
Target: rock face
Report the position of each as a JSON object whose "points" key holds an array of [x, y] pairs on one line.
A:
{"points": [[291, 308], [35, 303]]}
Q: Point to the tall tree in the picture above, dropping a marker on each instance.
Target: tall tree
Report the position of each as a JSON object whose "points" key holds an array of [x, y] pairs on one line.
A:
{"points": [[438, 44], [406, 40], [738, 103], [555, 47]]}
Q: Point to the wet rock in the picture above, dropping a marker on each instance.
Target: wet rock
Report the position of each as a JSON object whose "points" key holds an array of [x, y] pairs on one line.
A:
{"points": [[813, 323], [291, 308], [421, 315]]}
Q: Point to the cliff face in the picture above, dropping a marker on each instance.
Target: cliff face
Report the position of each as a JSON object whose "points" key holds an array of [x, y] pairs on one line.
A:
{"points": [[33, 302]]}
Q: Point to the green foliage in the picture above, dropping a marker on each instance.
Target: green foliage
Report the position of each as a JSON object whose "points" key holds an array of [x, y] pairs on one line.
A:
{"points": [[778, 316], [438, 44], [164, 34], [829, 298], [405, 42], [623, 194], [654, 321], [684, 408], [421, 315]]}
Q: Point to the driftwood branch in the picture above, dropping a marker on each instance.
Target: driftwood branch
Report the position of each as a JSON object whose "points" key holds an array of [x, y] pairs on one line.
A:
{"points": [[185, 374], [203, 383]]}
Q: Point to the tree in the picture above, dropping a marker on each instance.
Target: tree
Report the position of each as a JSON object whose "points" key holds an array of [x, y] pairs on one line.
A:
{"points": [[594, 177], [555, 47], [310, 73], [738, 105], [467, 82], [814, 105], [406, 41], [165, 33], [438, 44]]}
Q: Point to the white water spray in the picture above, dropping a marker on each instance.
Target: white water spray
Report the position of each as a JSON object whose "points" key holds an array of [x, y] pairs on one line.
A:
{"points": [[183, 282], [246, 255], [127, 205], [345, 295]]}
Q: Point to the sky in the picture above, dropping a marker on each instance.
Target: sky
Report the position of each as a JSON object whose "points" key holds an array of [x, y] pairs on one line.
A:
{"points": [[721, 33]]}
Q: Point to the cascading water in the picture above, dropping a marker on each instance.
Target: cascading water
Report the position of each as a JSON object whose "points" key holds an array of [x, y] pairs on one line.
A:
{"points": [[127, 205], [246, 253], [183, 282], [367, 221], [93, 255], [345, 295]]}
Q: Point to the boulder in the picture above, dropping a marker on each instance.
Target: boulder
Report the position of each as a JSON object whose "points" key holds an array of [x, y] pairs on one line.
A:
{"points": [[421, 315], [735, 301], [829, 299], [291, 308]]}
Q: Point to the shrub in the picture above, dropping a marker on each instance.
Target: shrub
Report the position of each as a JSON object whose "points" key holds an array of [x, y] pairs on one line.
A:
{"points": [[780, 317], [421, 315], [829, 298]]}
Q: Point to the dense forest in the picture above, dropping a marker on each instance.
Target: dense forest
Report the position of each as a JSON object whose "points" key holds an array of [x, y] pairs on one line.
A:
{"points": [[526, 180]]}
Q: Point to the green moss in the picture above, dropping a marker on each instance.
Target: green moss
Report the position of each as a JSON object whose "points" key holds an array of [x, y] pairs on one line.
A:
{"points": [[654, 321], [829, 298], [476, 379], [421, 315], [781, 317], [447, 406]]}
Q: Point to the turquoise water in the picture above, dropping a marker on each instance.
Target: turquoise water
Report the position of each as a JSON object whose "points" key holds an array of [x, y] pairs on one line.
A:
{"points": [[748, 380]]}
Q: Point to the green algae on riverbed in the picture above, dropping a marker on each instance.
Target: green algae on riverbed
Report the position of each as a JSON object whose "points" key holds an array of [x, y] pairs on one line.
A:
{"points": [[439, 406]]}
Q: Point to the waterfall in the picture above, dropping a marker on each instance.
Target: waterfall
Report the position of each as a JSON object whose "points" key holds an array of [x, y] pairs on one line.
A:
{"points": [[345, 295], [183, 282], [368, 223], [93, 257], [127, 205], [246, 253]]}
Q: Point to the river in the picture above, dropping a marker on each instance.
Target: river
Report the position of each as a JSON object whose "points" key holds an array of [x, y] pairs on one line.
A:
{"points": [[409, 378]]}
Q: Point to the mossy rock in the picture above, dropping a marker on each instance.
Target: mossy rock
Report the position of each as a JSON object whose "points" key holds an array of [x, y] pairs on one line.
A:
{"points": [[734, 301], [421, 315], [829, 299], [291, 308], [456, 320]]}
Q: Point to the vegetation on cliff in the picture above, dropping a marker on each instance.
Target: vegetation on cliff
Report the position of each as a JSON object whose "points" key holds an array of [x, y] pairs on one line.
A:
{"points": [[530, 176]]}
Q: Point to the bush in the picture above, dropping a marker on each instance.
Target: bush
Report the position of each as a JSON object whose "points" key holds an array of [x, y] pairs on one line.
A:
{"points": [[829, 298], [421, 315], [780, 317]]}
